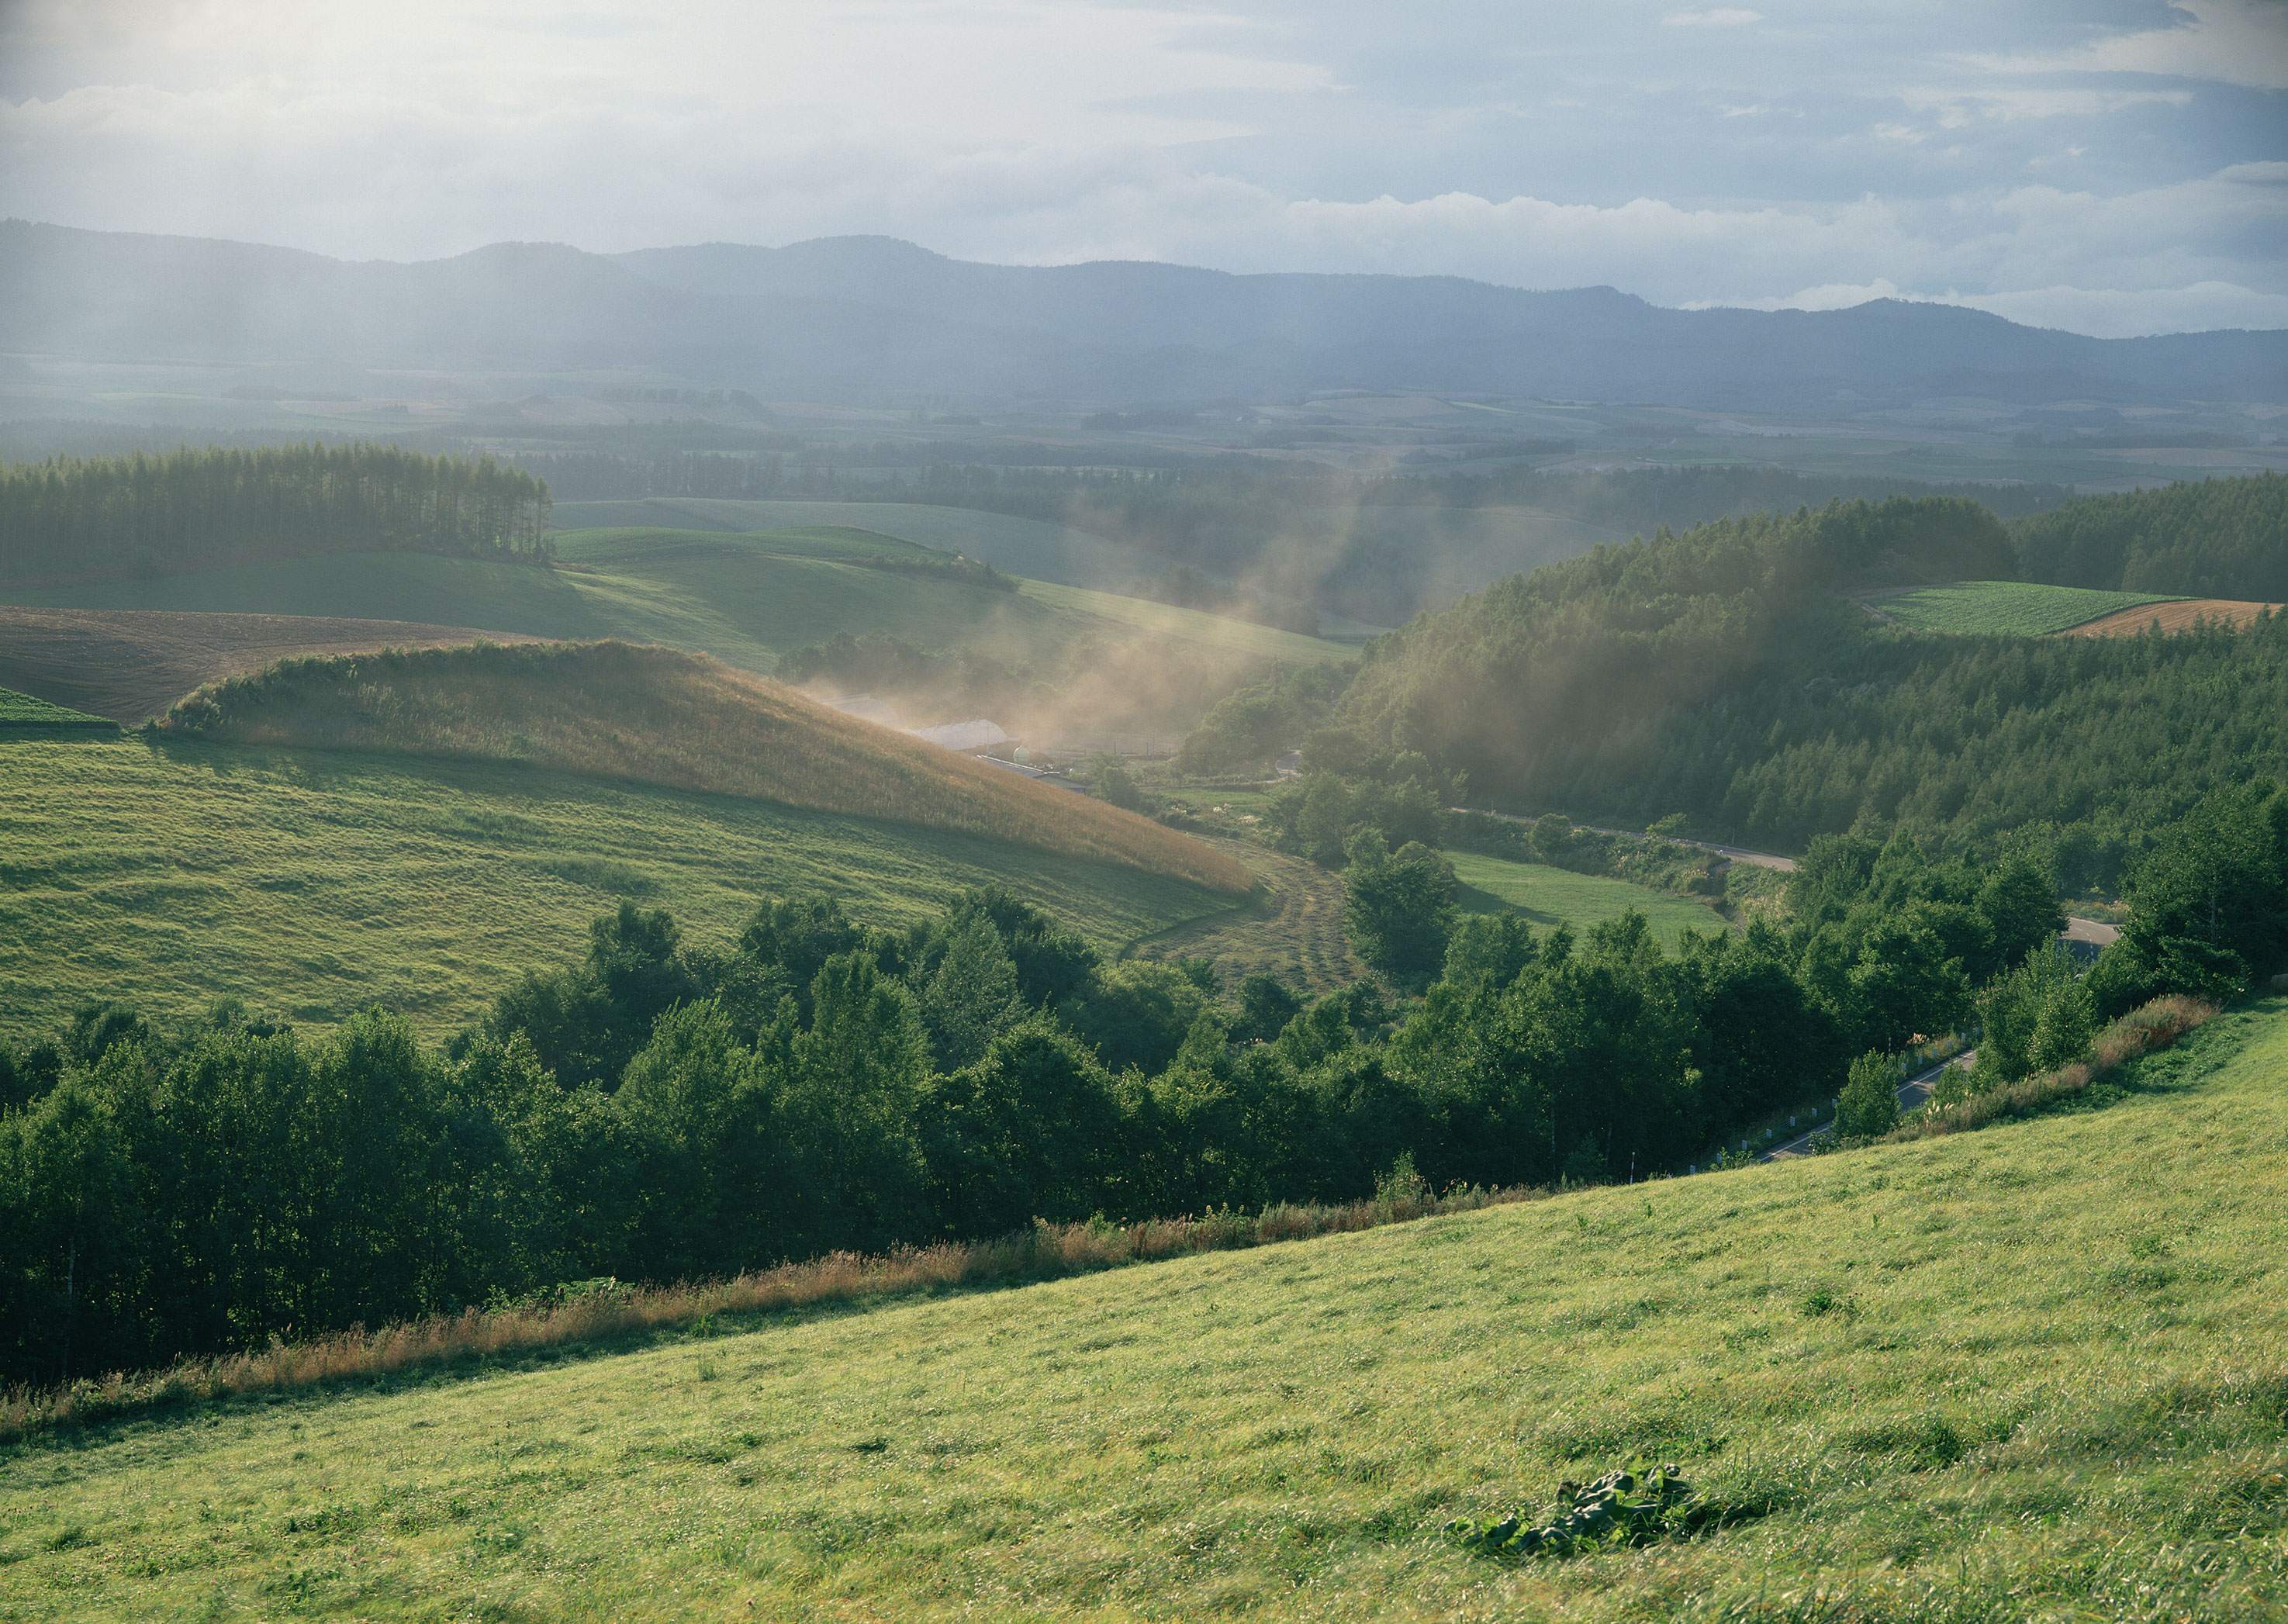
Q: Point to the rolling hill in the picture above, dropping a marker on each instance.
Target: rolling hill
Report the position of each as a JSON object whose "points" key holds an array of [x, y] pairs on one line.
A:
{"points": [[131, 664], [311, 884], [746, 598], [658, 716], [2028, 1372]]}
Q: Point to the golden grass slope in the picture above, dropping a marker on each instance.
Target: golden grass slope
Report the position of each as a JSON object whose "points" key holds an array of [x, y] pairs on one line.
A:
{"points": [[659, 716]]}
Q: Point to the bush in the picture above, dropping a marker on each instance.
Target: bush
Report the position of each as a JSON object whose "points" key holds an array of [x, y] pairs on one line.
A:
{"points": [[1869, 1102]]}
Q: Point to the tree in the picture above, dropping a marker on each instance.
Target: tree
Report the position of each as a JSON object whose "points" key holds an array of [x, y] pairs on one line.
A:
{"points": [[1868, 1104], [1398, 907], [1266, 1005]]}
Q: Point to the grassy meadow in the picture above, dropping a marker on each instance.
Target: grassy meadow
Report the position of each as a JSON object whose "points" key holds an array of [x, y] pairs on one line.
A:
{"points": [[656, 716], [2008, 608], [1546, 896], [24, 710], [2035, 1372], [313, 883]]}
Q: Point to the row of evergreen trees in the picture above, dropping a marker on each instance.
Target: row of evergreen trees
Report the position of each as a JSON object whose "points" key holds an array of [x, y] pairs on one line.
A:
{"points": [[85, 519]]}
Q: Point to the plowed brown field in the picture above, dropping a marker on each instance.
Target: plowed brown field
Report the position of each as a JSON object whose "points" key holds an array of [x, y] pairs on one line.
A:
{"points": [[128, 664], [2178, 616]]}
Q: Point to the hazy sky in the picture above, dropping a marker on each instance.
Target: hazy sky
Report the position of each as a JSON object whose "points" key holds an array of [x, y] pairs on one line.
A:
{"points": [[2112, 166]]}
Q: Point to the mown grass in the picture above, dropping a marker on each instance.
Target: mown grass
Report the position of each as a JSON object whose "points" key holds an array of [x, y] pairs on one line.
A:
{"points": [[659, 716], [24, 710], [2031, 1372], [2016, 609], [313, 883], [1547, 896]]}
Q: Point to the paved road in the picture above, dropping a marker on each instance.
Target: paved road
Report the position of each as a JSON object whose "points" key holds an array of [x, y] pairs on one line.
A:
{"points": [[1738, 854], [1911, 1093]]}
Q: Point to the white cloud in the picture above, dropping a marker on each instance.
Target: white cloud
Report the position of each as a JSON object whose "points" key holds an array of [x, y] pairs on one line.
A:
{"points": [[1047, 132], [2231, 42], [2135, 313]]}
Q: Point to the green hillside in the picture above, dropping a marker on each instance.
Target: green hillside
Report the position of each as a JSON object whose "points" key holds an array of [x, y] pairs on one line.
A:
{"points": [[313, 882], [2008, 608], [2030, 1373]]}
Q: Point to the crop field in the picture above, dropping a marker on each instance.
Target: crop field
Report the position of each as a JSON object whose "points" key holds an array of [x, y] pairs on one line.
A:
{"points": [[24, 710], [2174, 614], [1547, 896], [2031, 1372], [312, 883], [2008, 608]]}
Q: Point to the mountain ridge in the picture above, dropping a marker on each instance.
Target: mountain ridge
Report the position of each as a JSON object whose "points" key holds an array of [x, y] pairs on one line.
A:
{"points": [[857, 318]]}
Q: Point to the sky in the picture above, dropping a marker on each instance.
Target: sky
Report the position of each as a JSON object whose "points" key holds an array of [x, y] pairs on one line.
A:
{"points": [[2112, 167]]}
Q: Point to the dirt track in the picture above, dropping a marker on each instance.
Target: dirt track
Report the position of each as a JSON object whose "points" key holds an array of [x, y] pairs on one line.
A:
{"points": [[128, 664], [2174, 617]]}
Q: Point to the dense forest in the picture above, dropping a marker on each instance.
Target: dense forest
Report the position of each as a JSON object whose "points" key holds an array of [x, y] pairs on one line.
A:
{"points": [[2203, 538], [1718, 674], [75, 519], [659, 1109]]}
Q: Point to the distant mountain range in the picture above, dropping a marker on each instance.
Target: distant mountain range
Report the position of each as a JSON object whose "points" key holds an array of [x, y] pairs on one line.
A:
{"points": [[866, 319]]}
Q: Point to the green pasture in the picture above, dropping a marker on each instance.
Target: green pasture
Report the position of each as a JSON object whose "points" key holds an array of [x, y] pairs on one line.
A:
{"points": [[24, 710], [312, 883], [2008, 608], [1547, 896], [2034, 1373]]}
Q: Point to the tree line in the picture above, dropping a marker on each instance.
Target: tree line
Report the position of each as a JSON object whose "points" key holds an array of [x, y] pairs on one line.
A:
{"points": [[659, 1108], [89, 518]]}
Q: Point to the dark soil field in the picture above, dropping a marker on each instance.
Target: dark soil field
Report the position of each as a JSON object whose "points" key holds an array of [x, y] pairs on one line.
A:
{"points": [[128, 664], [2174, 616]]}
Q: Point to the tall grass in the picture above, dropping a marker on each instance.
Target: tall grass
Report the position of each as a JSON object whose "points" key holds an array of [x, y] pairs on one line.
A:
{"points": [[2143, 1031], [611, 1312], [684, 721]]}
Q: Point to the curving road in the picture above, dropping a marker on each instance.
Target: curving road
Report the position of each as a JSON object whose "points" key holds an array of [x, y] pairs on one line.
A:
{"points": [[1911, 1093]]}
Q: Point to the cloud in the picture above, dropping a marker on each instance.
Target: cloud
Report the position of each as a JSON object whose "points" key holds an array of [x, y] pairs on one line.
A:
{"points": [[1716, 164], [2230, 41]]}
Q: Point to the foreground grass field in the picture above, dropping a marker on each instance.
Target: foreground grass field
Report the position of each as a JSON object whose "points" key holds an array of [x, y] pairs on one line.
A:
{"points": [[2031, 1372], [2014, 609], [1547, 896], [313, 883]]}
